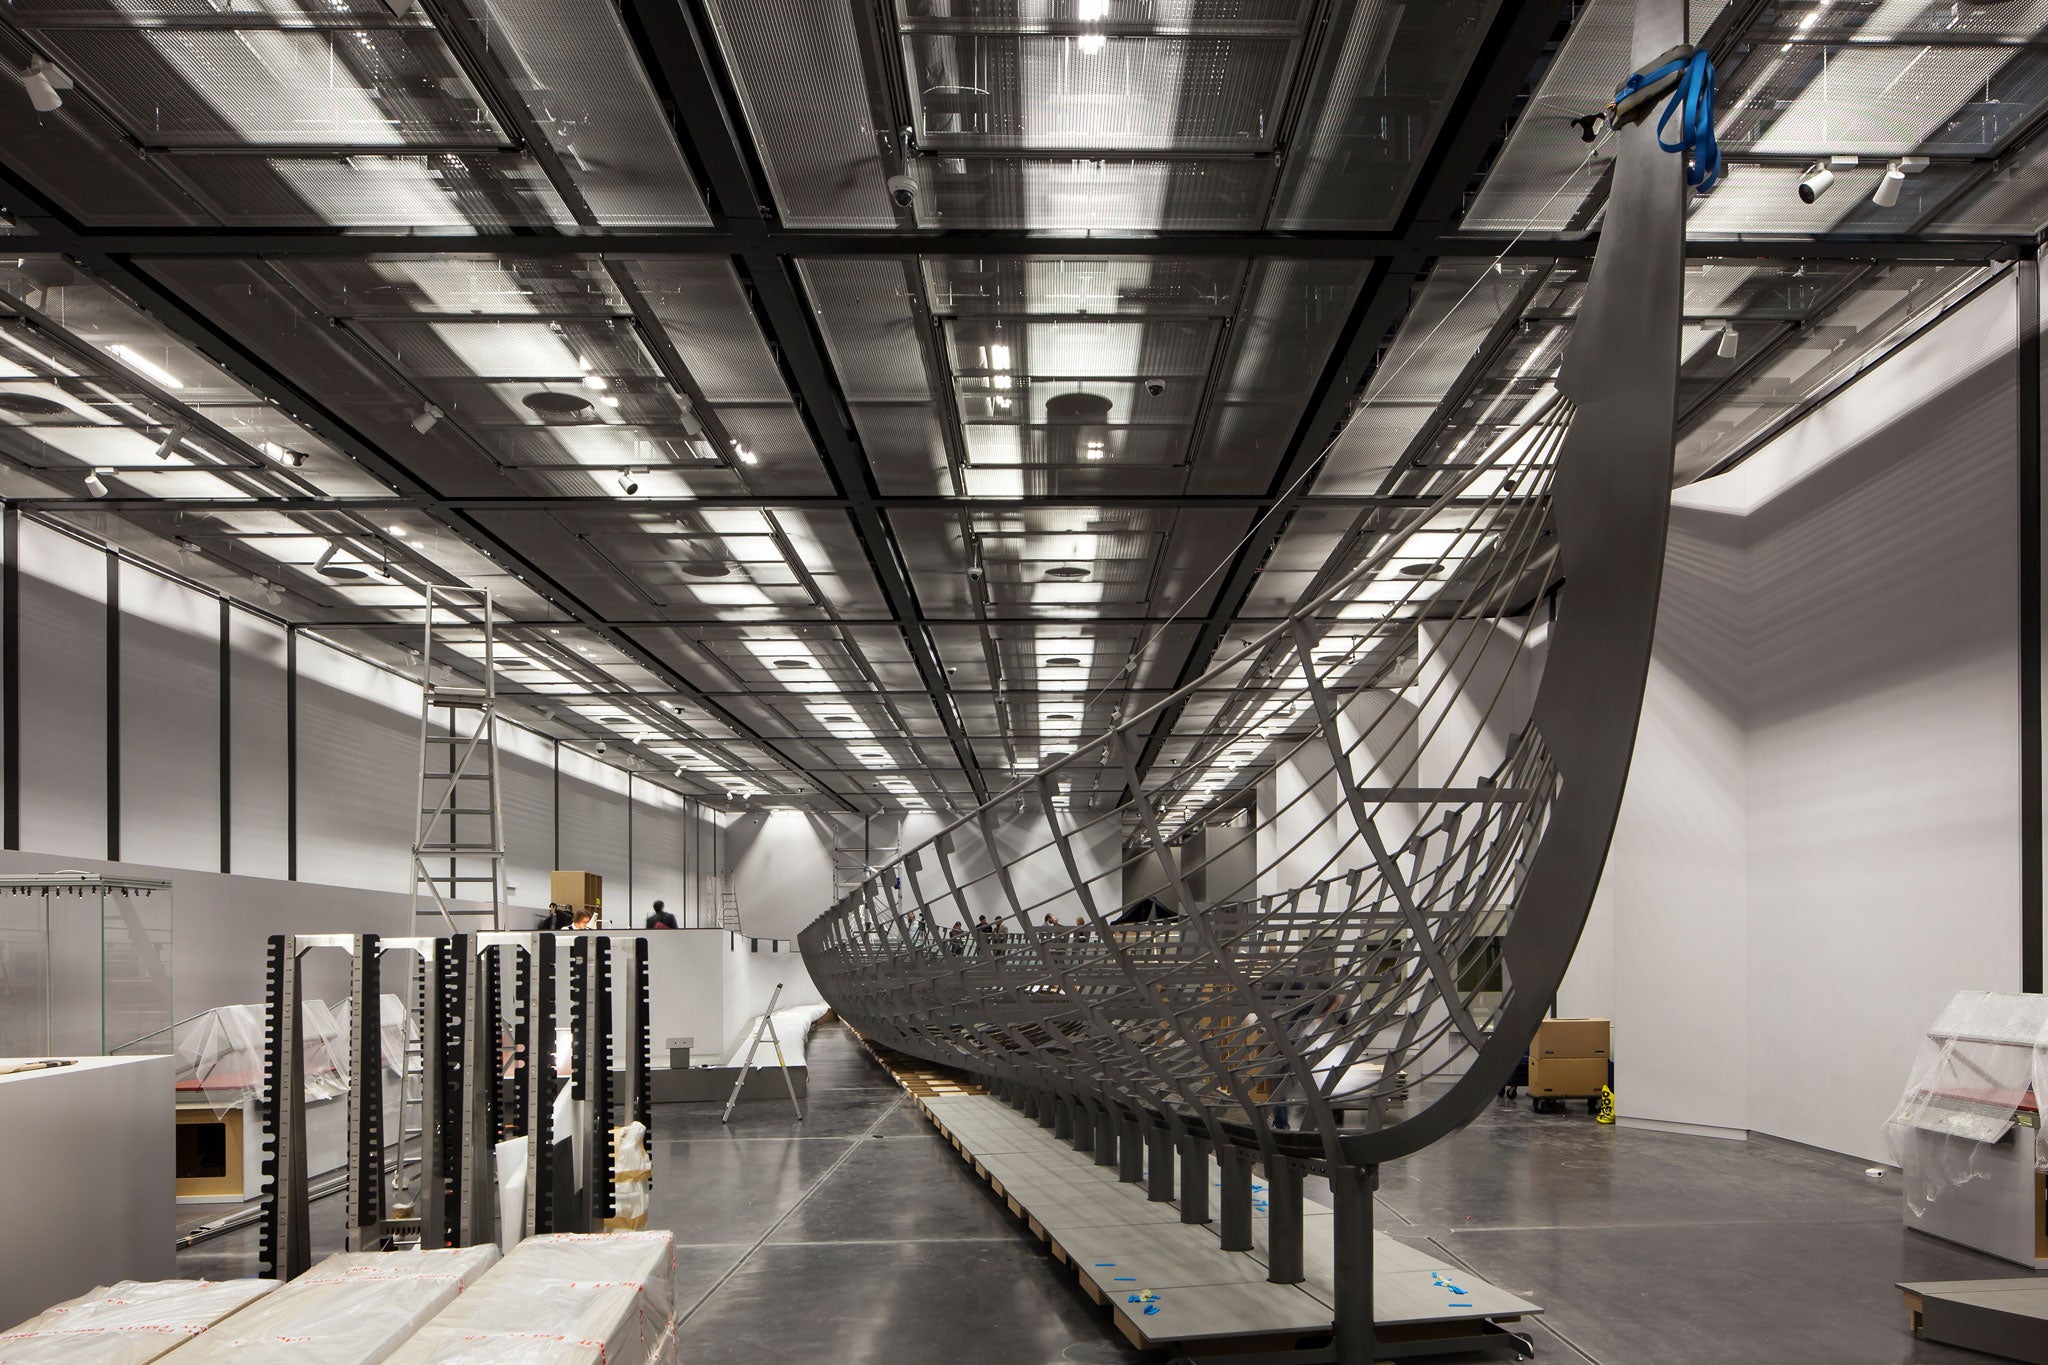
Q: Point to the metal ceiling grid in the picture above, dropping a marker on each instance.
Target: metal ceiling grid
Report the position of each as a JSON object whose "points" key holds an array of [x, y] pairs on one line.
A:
{"points": [[811, 420]]}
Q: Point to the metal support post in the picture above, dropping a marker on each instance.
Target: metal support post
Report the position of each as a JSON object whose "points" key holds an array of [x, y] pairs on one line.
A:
{"points": [[1105, 1123], [1063, 1120], [1158, 1163], [1283, 1222], [1234, 1169], [1194, 1179], [1130, 1144], [1352, 1188], [365, 1226]]}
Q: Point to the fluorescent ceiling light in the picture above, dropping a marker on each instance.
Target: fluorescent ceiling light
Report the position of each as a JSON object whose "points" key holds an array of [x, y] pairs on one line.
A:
{"points": [[128, 356]]}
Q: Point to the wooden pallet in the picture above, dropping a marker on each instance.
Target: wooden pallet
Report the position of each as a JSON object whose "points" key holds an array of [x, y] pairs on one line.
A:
{"points": [[1101, 1275]]}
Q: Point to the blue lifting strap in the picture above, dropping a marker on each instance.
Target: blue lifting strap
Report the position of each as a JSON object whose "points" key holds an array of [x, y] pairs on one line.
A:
{"points": [[1689, 76]]}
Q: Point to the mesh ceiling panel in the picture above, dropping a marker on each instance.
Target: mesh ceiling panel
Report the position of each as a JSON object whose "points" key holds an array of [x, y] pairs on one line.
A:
{"points": [[1089, 194], [314, 88], [865, 309], [1878, 101], [443, 191], [982, 93]]}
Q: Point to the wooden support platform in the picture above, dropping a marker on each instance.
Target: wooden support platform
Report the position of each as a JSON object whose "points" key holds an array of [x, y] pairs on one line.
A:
{"points": [[1170, 1283]]}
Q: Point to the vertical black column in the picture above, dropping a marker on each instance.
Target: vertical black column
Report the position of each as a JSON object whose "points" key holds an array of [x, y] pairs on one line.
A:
{"points": [[291, 753], [1352, 1229], [1130, 1143], [1234, 1165], [227, 730], [10, 680], [1283, 1223], [1194, 1180], [2028, 310], [113, 707], [1158, 1163]]}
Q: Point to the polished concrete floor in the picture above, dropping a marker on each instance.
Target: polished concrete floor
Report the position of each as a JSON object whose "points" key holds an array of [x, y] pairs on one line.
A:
{"points": [[859, 1236]]}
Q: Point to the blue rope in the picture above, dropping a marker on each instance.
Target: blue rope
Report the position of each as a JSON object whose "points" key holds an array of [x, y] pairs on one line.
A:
{"points": [[1695, 94]]}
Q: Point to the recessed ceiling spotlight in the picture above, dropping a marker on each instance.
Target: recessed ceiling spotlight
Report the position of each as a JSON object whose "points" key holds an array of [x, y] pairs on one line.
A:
{"points": [[1066, 571]]}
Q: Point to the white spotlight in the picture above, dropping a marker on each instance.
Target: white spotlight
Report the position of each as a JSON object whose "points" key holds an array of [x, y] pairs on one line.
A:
{"points": [[1725, 347], [628, 484], [1815, 182], [94, 484], [1888, 186], [43, 80], [169, 445], [270, 591], [429, 415]]}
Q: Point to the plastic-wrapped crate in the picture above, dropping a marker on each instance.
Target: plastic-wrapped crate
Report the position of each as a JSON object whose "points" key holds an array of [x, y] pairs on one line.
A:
{"points": [[129, 1324], [561, 1299], [355, 1308]]}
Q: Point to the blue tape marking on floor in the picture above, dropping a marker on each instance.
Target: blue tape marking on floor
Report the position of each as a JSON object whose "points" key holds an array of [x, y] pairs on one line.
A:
{"points": [[1127, 1279]]}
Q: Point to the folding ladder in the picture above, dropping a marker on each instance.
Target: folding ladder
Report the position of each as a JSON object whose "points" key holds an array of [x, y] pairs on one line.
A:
{"points": [[458, 850]]}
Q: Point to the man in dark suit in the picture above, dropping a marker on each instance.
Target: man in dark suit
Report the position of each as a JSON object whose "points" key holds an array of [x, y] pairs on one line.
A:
{"points": [[661, 919]]}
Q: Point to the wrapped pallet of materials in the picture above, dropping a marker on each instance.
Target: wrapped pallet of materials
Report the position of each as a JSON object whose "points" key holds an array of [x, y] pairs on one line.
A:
{"points": [[355, 1308], [562, 1299], [130, 1323]]}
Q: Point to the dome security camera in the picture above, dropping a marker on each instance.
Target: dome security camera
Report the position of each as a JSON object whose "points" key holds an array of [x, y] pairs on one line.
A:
{"points": [[975, 571], [902, 191], [600, 746], [1155, 387]]}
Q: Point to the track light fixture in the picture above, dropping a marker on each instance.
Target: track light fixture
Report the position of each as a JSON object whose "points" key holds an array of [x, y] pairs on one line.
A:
{"points": [[169, 445], [1894, 179], [44, 81], [428, 415], [1725, 347], [1816, 182], [94, 484], [270, 591], [628, 484]]}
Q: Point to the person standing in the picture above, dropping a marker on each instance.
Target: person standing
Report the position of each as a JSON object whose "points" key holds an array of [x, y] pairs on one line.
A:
{"points": [[661, 918]]}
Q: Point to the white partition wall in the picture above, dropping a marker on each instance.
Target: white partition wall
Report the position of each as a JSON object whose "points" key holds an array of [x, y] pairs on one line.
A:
{"points": [[1821, 838], [306, 800]]}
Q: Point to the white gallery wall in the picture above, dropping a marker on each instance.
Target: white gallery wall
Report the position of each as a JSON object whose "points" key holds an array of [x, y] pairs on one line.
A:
{"points": [[317, 845], [1820, 841]]}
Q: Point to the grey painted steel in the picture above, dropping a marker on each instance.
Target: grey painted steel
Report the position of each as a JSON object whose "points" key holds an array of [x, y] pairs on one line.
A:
{"points": [[1283, 1223], [1194, 1181], [1370, 982]]}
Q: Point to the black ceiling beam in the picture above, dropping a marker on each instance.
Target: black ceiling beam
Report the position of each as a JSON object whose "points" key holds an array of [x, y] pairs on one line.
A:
{"points": [[129, 242], [763, 502], [677, 53], [251, 368], [1500, 69]]}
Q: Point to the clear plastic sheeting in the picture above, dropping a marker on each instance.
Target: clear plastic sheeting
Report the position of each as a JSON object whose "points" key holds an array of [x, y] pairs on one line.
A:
{"points": [[220, 1054], [562, 1299], [354, 1308], [1980, 1070], [130, 1323]]}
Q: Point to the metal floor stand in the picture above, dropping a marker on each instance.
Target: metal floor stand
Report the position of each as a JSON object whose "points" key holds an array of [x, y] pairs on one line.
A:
{"points": [[766, 1027]]}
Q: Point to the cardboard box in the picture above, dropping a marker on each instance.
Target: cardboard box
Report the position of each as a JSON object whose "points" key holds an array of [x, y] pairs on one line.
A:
{"points": [[1572, 1038], [579, 889], [1571, 1077]]}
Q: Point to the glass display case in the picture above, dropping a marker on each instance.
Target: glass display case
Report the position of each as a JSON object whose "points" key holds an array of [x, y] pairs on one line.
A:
{"points": [[85, 965]]}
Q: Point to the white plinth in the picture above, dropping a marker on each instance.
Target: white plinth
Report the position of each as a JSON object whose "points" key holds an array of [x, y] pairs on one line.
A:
{"points": [[87, 1194]]}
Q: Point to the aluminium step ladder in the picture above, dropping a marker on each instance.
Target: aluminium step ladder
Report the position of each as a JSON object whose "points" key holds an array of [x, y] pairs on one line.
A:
{"points": [[458, 850]]}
